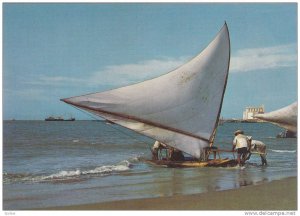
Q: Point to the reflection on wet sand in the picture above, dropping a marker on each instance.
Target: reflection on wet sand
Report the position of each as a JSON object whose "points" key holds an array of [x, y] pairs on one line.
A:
{"points": [[170, 182]]}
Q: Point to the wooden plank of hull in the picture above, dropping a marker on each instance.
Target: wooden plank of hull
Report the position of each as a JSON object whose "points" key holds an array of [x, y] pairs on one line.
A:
{"points": [[211, 163]]}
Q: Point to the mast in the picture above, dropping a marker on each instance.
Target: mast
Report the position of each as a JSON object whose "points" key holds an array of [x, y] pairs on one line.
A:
{"points": [[212, 137]]}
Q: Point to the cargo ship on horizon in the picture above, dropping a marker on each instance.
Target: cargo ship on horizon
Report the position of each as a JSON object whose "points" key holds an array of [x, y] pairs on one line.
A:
{"points": [[58, 118]]}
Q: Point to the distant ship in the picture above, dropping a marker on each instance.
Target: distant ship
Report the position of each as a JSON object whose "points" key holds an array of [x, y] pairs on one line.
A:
{"points": [[59, 118]]}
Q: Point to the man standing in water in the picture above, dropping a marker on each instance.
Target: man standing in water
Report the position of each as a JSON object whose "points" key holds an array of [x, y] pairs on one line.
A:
{"points": [[259, 147], [241, 144]]}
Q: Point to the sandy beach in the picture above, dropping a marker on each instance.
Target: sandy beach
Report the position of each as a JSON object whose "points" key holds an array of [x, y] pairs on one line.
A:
{"points": [[275, 195]]}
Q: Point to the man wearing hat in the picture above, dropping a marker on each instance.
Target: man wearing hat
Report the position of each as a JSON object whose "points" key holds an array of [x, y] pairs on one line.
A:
{"points": [[241, 144]]}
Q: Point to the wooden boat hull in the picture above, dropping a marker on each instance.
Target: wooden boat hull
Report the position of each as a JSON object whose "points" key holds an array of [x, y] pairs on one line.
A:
{"points": [[210, 163]]}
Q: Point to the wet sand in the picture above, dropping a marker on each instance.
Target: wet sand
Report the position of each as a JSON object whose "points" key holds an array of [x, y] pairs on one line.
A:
{"points": [[275, 195]]}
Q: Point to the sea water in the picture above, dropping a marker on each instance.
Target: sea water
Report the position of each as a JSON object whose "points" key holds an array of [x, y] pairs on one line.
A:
{"points": [[48, 164]]}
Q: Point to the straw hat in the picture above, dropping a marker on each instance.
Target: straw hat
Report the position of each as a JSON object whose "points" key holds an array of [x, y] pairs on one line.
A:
{"points": [[238, 132]]}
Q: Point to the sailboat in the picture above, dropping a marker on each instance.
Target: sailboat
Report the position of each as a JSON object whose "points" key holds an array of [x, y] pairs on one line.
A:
{"points": [[180, 108], [285, 117]]}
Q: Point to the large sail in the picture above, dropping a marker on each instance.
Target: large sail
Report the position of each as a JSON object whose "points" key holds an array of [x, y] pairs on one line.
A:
{"points": [[180, 108], [285, 117]]}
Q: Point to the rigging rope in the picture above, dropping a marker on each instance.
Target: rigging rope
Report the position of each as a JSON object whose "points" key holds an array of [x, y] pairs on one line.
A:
{"points": [[111, 125]]}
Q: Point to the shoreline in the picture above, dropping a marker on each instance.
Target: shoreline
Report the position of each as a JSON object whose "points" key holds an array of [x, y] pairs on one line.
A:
{"points": [[274, 195]]}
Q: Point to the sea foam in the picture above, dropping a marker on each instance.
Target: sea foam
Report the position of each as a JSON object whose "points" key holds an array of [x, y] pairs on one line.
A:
{"points": [[67, 175], [102, 170], [283, 151]]}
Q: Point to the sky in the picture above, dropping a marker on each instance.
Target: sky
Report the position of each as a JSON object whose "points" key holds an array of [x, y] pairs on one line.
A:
{"points": [[53, 51]]}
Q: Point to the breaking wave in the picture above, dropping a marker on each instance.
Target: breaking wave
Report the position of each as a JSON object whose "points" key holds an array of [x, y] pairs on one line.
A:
{"points": [[283, 151], [69, 175]]}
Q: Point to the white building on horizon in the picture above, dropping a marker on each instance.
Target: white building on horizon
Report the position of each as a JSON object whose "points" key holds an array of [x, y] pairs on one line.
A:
{"points": [[251, 111]]}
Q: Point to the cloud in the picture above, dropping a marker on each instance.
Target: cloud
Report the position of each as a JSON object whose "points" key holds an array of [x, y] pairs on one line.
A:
{"points": [[265, 58], [52, 80], [115, 75], [132, 73]]}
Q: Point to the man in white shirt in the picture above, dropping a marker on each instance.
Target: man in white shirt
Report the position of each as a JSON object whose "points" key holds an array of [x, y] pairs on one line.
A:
{"points": [[241, 144]]}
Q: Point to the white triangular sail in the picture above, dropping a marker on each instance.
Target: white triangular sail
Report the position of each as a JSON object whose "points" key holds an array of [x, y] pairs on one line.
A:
{"points": [[180, 108], [285, 117]]}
